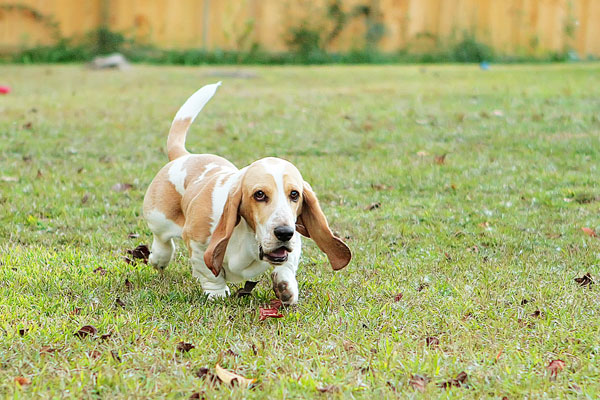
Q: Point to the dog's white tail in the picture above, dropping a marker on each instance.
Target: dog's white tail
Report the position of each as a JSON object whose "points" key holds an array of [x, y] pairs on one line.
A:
{"points": [[184, 118]]}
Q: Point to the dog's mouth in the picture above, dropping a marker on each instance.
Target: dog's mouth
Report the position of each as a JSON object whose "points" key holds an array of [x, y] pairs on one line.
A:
{"points": [[277, 256]]}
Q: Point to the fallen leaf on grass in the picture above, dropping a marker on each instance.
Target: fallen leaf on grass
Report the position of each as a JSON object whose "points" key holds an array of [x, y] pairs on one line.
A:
{"points": [[381, 186], [422, 286], [47, 350], [85, 198], [555, 367], [141, 252], [94, 354], [184, 347], [348, 345], [197, 395], [21, 381], [106, 336], [441, 159], [23, 331], [28, 125], [498, 355], [419, 382], [268, 313], [537, 314], [85, 331], [100, 271], [75, 311], [231, 378], [202, 372], [328, 389], [128, 284], [460, 380], [121, 187], [119, 303], [589, 232], [398, 297], [432, 341], [373, 206], [115, 355], [276, 304], [585, 280]]}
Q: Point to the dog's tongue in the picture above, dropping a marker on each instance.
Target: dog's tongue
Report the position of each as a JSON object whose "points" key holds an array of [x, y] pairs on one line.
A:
{"points": [[280, 252]]}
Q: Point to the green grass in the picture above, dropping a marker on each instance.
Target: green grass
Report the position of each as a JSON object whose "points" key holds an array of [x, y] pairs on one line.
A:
{"points": [[498, 222]]}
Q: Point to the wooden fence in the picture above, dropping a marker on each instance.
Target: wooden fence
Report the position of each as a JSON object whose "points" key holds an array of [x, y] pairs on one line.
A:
{"points": [[510, 26]]}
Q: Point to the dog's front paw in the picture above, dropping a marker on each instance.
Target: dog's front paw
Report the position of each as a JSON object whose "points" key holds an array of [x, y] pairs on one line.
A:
{"points": [[217, 293], [285, 286]]}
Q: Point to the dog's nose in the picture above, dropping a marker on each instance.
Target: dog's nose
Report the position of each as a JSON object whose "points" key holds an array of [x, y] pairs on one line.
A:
{"points": [[284, 233]]}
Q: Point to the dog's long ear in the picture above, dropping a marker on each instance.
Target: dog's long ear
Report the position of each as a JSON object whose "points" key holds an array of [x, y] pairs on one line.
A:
{"points": [[213, 256], [313, 224]]}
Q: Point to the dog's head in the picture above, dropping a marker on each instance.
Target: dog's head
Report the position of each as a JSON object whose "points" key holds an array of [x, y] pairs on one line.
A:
{"points": [[277, 204]]}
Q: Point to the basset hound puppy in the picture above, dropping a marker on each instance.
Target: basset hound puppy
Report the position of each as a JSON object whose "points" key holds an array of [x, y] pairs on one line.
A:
{"points": [[236, 223]]}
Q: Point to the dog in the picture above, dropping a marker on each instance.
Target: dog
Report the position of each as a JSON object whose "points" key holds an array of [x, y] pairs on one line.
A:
{"points": [[236, 223]]}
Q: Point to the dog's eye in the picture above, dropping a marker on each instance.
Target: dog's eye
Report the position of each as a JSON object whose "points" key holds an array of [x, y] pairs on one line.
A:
{"points": [[294, 195], [259, 195]]}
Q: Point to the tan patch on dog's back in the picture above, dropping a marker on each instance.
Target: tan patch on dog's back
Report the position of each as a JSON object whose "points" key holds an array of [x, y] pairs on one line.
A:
{"points": [[198, 206]]}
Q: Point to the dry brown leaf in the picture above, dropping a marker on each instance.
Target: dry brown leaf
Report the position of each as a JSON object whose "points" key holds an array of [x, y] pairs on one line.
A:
{"points": [[398, 297], [441, 159], [121, 187], [328, 389], [100, 271], [460, 380], [184, 347], [22, 381], [85, 331], [585, 280], [94, 354], [265, 313], [419, 382], [75, 311], [373, 206], [231, 378], [589, 232], [115, 355], [555, 367], [119, 303], [128, 284], [141, 252], [432, 341], [348, 345], [47, 350], [381, 186], [276, 304]]}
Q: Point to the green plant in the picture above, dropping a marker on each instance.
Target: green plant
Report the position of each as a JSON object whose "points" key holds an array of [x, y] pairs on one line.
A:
{"points": [[471, 50]]}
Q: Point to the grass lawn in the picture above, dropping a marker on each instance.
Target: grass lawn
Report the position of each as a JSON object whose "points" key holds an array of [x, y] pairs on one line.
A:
{"points": [[467, 264]]}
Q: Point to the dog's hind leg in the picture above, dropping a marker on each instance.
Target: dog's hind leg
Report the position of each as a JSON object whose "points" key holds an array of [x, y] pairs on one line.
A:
{"points": [[163, 247]]}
